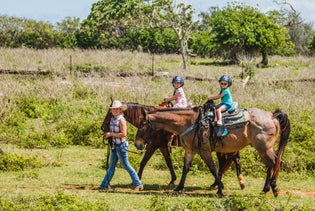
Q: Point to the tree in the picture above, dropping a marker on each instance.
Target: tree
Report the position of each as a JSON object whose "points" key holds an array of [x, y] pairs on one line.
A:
{"points": [[114, 20], [299, 31], [311, 46], [10, 31], [39, 35], [68, 28], [17, 32], [240, 29], [177, 16]]}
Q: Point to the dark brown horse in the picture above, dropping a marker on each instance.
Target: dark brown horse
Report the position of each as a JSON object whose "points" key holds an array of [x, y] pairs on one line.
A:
{"points": [[261, 132], [160, 139]]}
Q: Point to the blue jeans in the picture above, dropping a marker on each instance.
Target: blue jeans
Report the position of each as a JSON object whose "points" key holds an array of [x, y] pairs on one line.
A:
{"points": [[120, 152]]}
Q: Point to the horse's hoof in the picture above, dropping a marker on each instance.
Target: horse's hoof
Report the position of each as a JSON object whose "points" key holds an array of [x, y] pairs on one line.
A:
{"points": [[266, 189], [263, 193], [171, 185], [220, 195], [242, 185], [213, 187], [175, 193], [275, 192]]}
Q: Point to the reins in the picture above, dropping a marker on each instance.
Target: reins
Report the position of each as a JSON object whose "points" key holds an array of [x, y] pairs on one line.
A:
{"points": [[194, 126], [139, 152]]}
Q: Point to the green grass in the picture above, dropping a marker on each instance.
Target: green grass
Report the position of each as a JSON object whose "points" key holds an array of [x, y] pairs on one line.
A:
{"points": [[81, 171], [40, 115]]}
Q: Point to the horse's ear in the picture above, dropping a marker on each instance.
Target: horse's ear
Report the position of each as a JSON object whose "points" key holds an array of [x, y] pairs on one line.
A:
{"points": [[144, 113], [111, 99]]}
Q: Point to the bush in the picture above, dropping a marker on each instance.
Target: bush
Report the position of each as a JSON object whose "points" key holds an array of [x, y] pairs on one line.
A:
{"points": [[13, 162], [89, 68], [57, 201], [232, 202]]}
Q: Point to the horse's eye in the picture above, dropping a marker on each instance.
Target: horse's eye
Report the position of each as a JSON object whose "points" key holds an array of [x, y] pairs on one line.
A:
{"points": [[142, 124]]}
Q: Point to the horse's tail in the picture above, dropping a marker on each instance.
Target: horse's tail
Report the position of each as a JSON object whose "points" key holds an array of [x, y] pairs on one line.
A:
{"points": [[284, 136]]}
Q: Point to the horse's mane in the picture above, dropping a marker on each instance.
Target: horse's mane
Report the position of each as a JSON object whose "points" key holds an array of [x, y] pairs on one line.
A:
{"points": [[134, 112]]}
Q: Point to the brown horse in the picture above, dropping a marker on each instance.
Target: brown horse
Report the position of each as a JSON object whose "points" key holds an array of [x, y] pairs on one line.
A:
{"points": [[261, 132], [160, 139]]}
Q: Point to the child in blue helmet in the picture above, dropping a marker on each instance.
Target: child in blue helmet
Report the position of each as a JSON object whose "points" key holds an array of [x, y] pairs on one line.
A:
{"points": [[225, 82], [179, 95]]}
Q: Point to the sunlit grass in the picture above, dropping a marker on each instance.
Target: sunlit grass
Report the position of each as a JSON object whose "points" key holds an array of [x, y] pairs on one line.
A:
{"points": [[81, 171], [79, 168]]}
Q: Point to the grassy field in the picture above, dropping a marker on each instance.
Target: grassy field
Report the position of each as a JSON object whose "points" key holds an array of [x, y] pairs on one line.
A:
{"points": [[80, 171], [52, 118]]}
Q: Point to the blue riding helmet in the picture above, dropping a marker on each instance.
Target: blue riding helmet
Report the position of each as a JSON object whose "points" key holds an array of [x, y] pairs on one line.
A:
{"points": [[178, 79], [226, 78]]}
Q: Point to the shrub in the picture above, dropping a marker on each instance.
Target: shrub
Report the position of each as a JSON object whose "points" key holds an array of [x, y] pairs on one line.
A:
{"points": [[89, 68], [83, 131], [13, 162], [57, 201]]}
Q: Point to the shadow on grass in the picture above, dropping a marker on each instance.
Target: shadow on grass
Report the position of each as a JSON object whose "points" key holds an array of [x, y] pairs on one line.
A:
{"points": [[149, 189]]}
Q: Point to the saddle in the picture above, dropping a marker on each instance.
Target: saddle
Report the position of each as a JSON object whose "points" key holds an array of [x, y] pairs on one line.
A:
{"points": [[162, 105], [232, 118]]}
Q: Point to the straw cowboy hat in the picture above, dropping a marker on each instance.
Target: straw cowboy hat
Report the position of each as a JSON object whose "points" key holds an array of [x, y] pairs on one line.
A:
{"points": [[118, 104]]}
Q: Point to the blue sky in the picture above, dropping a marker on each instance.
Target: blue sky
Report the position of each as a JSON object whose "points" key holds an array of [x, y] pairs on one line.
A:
{"points": [[53, 11]]}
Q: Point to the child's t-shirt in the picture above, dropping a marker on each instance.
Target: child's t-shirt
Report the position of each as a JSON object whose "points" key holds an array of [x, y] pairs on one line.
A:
{"points": [[181, 101], [227, 98]]}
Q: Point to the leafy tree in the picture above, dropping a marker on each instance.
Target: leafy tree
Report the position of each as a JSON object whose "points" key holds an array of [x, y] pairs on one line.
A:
{"points": [[170, 14], [299, 31], [67, 29], [17, 32], [202, 43], [39, 35], [110, 21], [154, 40], [10, 31], [106, 23], [240, 29], [312, 45]]}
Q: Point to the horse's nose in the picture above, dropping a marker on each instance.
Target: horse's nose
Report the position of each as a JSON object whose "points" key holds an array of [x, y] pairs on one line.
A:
{"points": [[139, 145]]}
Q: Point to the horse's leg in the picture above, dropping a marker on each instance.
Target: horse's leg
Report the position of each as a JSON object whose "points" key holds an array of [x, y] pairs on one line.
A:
{"points": [[237, 161], [267, 182], [187, 164], [273, 184], [222, 162], [167, 156], [148, 154], [225, 161], [206, 156], [269, 158], [271, 179]]}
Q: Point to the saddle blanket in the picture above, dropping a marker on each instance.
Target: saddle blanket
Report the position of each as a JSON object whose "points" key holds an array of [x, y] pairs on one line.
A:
{"points": [[237, 117]]}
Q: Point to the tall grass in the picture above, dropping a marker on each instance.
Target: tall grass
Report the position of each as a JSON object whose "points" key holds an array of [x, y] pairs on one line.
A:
{"points": [[67, 107]]}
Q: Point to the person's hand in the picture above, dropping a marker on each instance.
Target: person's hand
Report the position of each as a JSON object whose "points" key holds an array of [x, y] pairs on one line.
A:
{"points": [[107, 134]]}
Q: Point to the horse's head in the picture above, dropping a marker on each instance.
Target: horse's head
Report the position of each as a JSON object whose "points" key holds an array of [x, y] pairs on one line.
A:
{"points": [[209, 106], [144, 132], [209, 111]]}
